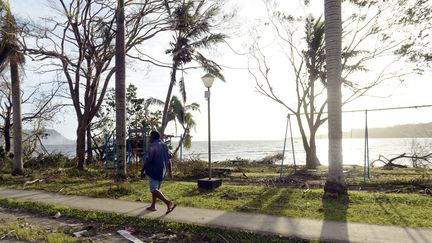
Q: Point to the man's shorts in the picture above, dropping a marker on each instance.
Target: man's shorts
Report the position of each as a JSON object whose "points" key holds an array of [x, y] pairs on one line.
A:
{"points": [[154, 184]]}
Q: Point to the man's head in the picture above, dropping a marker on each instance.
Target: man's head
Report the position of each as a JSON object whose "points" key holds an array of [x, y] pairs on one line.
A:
{"points": [[154, 135]]}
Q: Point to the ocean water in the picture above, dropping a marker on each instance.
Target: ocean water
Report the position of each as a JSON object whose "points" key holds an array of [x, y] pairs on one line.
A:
{"points": [[353, 149]]}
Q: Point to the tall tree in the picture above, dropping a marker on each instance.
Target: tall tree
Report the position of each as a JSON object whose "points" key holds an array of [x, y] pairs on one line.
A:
{"points": [[193, 24], [10, 53], [80, 43], [310, 80], [333, 44], [120, 90], [305, 53]]}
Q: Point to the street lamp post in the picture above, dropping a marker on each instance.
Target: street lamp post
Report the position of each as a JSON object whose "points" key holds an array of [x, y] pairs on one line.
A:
{"points": [[208, 82], [209, 183]]}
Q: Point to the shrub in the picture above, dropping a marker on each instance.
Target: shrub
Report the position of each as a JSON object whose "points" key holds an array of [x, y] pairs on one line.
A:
{"points": [[56, 160], [270, 159], [192, 168]]}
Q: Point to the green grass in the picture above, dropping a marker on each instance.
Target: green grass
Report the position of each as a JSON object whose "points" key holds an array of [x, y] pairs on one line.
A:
{"points": [[20, 230], [405, 209], [376, 208], [184, 232]]}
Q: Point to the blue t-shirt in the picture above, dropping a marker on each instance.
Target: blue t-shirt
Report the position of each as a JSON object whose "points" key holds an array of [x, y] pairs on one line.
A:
{"points": [[158, 160]]}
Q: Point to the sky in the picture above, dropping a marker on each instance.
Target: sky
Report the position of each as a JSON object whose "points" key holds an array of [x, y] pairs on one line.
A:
{"points": [[238, 112]]}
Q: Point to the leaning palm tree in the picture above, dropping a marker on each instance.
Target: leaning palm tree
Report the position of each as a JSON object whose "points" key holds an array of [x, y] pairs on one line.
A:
{"points": [[182, 114], [10, 54], [335, 183], [192, 25]]}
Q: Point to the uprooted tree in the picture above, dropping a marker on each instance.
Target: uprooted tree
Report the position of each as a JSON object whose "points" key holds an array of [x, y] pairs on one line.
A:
{"points": [[366, 41]]}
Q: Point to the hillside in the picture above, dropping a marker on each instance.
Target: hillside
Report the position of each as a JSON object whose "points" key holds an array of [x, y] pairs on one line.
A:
{"points": [[55, 138], [420, 130]]}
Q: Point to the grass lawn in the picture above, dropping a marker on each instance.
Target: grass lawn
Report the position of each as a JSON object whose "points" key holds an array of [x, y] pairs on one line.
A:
{"points": [[366, 207]]}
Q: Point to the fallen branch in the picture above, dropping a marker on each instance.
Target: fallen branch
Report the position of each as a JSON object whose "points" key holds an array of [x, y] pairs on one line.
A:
{"points": [[390, 163], [8, 233], [221, 236], [32, 182]]}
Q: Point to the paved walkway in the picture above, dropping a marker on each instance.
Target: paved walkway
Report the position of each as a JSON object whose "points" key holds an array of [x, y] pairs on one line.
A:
{"points": [[260, 223]]}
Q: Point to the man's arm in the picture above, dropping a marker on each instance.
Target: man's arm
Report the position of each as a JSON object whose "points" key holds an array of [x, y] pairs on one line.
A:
{"points": [[147, 160], [170, 174]]}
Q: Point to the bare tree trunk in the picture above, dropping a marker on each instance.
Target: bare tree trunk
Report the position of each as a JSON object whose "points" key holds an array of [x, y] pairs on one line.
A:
{"points": [[309, 146], [7, 135], [168, 99], [18, 168], [179, 144], [312, 160], [89, 146], [80, 145], [120, 92], [335, 183]]}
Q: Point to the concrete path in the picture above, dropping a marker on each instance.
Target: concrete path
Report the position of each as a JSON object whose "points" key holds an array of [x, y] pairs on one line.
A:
{"points": [[260, 223]]}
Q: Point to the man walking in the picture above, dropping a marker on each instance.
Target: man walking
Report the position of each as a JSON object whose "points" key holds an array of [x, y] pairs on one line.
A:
{"points": [[156, 166]]}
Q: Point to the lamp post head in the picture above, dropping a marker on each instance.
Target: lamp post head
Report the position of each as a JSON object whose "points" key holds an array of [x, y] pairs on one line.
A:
{"points": [[208, 80]]}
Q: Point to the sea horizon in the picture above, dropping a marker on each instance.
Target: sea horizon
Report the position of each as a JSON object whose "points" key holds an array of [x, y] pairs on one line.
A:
{"points": [[353, 149]]}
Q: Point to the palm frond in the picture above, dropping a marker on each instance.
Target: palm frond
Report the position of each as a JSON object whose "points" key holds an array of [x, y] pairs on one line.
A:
{"points": [[193, 107], [153, 101], [197, 29], [202, 21], [177, 109], [198, 9], [190, 122], [5, 51], [182, 88], [208, 41], [5, 41], [187, 141], [209, 66], [8, 41]]}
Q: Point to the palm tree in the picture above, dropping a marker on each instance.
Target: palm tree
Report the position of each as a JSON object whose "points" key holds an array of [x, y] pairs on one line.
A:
{"points": [[192, 26], [9, 53], [120, 92], [182, 114], [335, 183]]}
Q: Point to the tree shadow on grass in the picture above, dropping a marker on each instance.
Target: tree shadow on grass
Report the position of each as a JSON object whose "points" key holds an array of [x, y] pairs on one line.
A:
{"points": [[389, 208], [257, 211], [335, 209], [272, 201], [268, 200]]}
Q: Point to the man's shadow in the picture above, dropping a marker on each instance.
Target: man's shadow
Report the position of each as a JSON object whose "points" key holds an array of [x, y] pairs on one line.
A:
{"points": [[334, 208]]}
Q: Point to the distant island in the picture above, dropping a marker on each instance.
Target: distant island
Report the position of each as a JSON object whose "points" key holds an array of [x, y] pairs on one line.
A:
{"points": [[55, 138], [420, 130]]}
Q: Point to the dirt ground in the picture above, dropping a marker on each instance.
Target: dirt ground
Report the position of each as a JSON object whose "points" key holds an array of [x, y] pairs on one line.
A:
{"points": [[96, 232]]}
